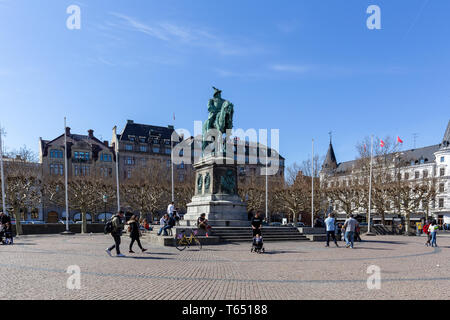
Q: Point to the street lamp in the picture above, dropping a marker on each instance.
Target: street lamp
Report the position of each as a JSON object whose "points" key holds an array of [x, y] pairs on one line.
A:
{"points": [[105, 200]]}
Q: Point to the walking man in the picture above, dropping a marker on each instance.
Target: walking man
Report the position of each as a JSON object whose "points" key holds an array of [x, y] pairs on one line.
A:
{"points": [[117, 228], [350, 227], [330, 224], [170, 209]]}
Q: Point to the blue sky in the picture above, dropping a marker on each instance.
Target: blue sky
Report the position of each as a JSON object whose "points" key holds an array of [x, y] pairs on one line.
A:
{"points": [[304, 67]]}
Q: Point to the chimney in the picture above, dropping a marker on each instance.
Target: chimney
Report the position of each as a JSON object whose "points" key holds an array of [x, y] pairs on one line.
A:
{"points": [[67, 131], [106, 143], [130, 121], [91, 133]]}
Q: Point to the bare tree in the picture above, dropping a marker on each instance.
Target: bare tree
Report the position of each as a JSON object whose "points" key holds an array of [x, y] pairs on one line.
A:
{"points": [[22, 183]]}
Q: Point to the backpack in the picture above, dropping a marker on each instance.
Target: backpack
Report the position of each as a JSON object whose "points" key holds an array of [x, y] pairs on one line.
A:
{"points": [[108, 226]]}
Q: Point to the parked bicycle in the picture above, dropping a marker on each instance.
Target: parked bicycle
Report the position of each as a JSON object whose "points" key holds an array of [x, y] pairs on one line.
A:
{"points": [[192, 241]]}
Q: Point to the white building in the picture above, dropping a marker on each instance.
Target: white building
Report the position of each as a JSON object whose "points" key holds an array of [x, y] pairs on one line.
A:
{"points": [[414, 164]]}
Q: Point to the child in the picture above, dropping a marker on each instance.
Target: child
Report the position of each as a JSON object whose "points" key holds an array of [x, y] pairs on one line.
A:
{"points": [[257, 242], [8, 234]]}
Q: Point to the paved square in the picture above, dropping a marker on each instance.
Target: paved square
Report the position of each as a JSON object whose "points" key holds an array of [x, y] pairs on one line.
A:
{"points": [[35, 268]]}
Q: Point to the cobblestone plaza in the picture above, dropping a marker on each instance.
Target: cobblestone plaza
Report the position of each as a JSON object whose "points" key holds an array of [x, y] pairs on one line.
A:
{"points": [[35, 267]]}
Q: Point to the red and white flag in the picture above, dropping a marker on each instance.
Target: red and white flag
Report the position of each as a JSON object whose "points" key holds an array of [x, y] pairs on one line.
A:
{"points": [[399, 140], [174, 116], [381, 143], [365, 148]]}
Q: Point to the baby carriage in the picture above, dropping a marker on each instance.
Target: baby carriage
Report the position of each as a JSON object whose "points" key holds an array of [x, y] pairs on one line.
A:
{"points": [[257, 244]]}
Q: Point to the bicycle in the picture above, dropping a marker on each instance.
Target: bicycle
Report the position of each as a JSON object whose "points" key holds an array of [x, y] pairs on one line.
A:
{"points": [[182, 241]]}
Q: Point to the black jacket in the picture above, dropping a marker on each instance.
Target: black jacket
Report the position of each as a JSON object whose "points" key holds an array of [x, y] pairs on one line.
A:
{"points": [[5, 218], [134, 230]]}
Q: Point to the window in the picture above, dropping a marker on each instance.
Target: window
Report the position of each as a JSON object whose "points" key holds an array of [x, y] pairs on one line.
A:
{"points": [[441, 202], [105, 157], [81, 155], [181, 153], [131, 138], [168, 151], [417, 174], [442, 172], [412, 162], [181, 165], [143, 148], [169, 163], [129, 161], [425, 173], [422, 161], [441, 187], [156, 149], [129, 147], [56, 154], [406, 176], [442, 159], [142, 139], [129, 173], [181, 177]]}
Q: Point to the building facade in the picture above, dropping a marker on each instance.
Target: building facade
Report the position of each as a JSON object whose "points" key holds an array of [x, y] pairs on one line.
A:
{"points": [[430, 163], [86, 156]]}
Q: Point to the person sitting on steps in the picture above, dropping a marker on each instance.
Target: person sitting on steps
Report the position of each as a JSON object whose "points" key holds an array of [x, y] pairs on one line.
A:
{"points": [[202, 223]]}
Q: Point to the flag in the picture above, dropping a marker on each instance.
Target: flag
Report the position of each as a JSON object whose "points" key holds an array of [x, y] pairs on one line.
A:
{"points": [[399, 140], [365, 148], [381, 143], [174, 116]]}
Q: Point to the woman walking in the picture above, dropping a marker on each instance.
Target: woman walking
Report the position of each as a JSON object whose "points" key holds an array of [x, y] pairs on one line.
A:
{"points": [[135, 233], [433, 231]]}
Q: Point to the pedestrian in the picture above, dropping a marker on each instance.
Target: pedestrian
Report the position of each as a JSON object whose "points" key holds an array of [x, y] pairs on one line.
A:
{"points": [[350, 226], [176, 216], [427, 232], [357, 232], [8, 233], [170, 208], [116, 233], [256, 223], [433, 231], [202, 223], [164, 225], [330, 224], [135, 233]]}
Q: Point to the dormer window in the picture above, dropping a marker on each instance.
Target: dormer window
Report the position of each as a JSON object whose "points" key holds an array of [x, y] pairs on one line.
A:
{"points": [[442, 159], [131, 138], [142, 139]]}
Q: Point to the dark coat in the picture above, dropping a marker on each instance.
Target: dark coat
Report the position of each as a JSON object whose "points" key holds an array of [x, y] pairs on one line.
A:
{"points": [[135, 233]]}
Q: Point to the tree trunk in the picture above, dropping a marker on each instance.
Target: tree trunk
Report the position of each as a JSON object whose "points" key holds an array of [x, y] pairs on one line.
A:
{"points": [[407, 223], [83, 223], [383, 218], [19, 230]]}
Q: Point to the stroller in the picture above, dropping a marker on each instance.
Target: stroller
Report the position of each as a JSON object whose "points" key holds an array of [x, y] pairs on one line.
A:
{"points": [[257, 244]]}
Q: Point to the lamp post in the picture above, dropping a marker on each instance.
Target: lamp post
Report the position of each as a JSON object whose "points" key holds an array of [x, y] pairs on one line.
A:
{"points": [[369, 233], [67, 232], [1, 171]]}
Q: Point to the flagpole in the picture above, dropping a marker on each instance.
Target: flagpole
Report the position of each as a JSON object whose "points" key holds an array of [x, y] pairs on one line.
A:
{"points": [[1, 171], [171, 161], [370, 186], [67, 232], [267, 211], [117, 176], [312, 185]]}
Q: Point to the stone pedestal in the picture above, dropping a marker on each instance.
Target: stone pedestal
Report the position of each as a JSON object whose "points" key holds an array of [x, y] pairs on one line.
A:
{"points": [[216, 194]]}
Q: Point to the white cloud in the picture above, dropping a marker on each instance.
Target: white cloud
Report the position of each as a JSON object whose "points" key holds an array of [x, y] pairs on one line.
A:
{"points": [[292, 68], [179, 34]]}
